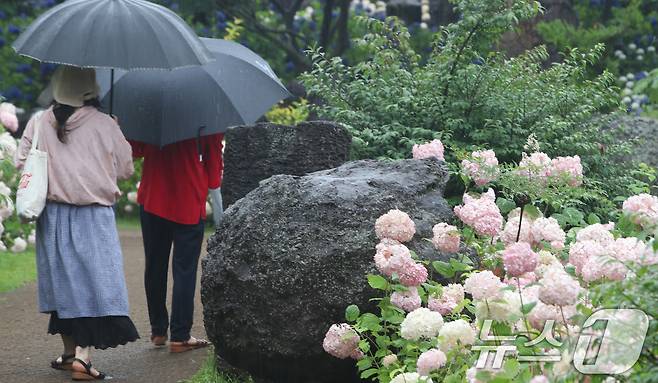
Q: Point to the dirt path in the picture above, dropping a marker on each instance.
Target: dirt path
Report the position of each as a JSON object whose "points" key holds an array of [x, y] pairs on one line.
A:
{"points": [[26, 349]]}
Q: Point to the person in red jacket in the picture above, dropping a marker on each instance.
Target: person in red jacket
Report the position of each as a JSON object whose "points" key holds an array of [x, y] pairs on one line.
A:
{"points": [[172, 197]]}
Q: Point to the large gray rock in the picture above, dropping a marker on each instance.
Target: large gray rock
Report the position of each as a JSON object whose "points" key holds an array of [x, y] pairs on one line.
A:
{"points": [[644, 130], [290, 257], [255, 153]]}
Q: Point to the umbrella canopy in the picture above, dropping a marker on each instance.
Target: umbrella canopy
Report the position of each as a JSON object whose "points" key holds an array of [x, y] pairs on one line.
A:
{"points": [[127, 34], [163, 107]]}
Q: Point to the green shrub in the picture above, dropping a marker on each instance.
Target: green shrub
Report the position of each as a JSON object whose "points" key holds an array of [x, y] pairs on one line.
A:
{"points": [[470, 96]]}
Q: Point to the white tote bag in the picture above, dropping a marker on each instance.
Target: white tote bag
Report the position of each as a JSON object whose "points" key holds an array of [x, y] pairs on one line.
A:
{"points": [[33, 187]]}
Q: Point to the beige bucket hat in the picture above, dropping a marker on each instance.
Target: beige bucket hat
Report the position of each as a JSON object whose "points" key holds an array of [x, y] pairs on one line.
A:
{"points": [[73, 86]]}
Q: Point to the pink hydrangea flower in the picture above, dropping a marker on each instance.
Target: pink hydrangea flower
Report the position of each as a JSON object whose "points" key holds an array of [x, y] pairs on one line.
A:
{"points": [[543, 312], [643, 208], [342, 342], [598, 233], [524, 280], [580, 253], [483, 285], [481, 214], [536, 166], [446, 238], [650, 256], [592, 269], [390, 255], [626, 249], [8, 117], [412, 274], [539, 314], [430, 360], [431, 149], [519, 259], [451, 296], [483, 168], [568, 167], [511, 230], [558, 288], [395, 225], [443, 306], [406, 300], [549, 230], [539, 379], [389, 360]]}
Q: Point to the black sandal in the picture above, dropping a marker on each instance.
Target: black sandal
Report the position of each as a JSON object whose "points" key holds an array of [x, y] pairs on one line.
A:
{"points": [[63, 365], [85, 376]]}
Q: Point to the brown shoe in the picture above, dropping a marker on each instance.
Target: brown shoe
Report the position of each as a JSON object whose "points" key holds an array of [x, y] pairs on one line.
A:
{"points": [[158, 340], [188, 345]]}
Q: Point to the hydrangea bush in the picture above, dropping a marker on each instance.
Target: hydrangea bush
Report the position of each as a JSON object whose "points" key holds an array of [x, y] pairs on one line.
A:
{"points": [[512, 270], [15, 235]]}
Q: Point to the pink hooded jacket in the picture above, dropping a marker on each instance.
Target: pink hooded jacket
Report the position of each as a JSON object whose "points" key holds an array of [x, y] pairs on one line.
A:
{"points": [[85, 169]]}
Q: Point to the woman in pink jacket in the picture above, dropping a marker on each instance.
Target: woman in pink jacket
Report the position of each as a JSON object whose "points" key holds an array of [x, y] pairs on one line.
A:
{"points": [[79, 262]]}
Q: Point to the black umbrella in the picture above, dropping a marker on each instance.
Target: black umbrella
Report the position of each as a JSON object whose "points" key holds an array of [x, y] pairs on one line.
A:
{"points": [[126, 34], [163, 107]]}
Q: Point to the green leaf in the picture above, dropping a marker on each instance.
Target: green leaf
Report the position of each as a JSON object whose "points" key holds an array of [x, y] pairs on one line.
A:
{"points": [[352, 313], [505, 205], [364, 364], [453, 378], [459, 266], [370, 322], [526, 308], [377, 282], [368, 373], [532, 211], [574, 216], [511, 368], [593, 218], [443, 268]]}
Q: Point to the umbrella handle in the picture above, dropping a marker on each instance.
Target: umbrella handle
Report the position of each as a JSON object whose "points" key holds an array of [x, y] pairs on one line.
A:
{"points": [[198, 142], [112, 92]]}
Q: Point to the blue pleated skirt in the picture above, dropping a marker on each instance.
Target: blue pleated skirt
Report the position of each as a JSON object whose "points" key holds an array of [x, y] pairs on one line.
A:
{"points": [[79, 262]]}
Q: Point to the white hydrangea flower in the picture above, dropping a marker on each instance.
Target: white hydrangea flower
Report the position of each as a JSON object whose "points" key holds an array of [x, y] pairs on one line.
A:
{"points": [[632, 46], [627, 92], [626, 100], [505, 309], [19, 245], [128, 209], [8, 146], [421, 323], [630, 84], [132, 196], [3, 247], [411, 377], [32, 238], [455, 333], [623, 79], [651, 49], [635, 106], [640, 58]]}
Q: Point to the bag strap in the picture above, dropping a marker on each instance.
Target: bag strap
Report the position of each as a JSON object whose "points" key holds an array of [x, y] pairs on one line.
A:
{"points": [[35, 136]]}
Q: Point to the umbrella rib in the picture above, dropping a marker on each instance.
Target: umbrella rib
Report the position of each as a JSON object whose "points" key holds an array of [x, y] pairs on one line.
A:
{"points": [[150, 26]]}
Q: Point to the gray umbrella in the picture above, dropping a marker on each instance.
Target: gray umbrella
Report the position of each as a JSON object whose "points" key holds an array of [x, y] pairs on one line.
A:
{"points": [[127, 34], [163, 107]]}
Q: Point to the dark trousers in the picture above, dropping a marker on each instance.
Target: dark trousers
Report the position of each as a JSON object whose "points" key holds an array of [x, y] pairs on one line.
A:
{"points": [[159, 234]]}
